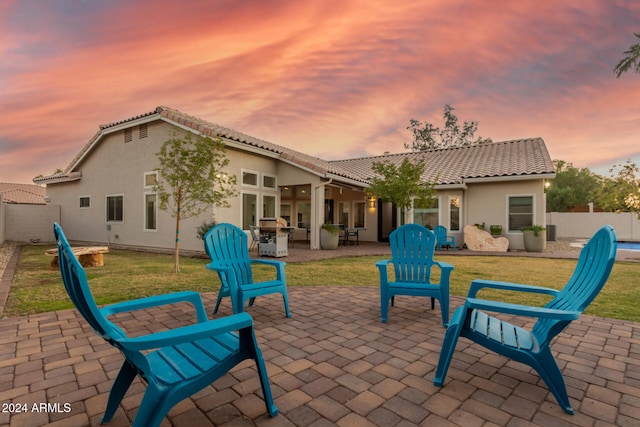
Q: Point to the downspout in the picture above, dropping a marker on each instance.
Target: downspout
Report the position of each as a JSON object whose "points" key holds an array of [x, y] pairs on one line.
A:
{"points": [[317, 215]]}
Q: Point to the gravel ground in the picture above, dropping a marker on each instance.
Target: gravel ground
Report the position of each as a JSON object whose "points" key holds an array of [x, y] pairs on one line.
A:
{"points": [[6, 250]]}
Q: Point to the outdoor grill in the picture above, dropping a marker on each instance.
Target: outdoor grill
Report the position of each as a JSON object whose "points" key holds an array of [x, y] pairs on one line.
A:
{"points": [[274, 236]]}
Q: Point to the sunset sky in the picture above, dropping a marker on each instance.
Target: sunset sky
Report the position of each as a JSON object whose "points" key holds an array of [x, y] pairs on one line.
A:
{"points": [[332, 78]]}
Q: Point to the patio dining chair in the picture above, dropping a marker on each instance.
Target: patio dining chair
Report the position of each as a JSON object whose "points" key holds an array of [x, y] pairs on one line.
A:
{"points": [[532, 347], [226, 245], [412, 251], [255, 238], [174, 363]]}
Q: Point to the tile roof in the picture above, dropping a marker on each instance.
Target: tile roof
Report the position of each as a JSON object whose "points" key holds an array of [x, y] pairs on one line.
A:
{"points": [[516, 158], [521, 157], [23, 194]]}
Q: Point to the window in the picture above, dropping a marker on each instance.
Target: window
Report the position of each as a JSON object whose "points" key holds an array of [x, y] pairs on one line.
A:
{"points": [[427, 216], [268, 181], [150, 211], [250, 178], [358, 216], [249, 211], [150, 179], [269, 206], [454, 214], [85, 202], [128, 135], [115, 208], [304, 214], [343, 214], [520, 212], [285, 212]]}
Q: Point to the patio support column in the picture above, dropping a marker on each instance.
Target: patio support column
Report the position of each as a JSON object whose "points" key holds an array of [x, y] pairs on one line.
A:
{"points": [[317, 214]]}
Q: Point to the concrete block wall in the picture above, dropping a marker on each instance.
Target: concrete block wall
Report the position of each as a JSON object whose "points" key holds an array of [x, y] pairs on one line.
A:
{"points": [[582, 225], [26, 223]]}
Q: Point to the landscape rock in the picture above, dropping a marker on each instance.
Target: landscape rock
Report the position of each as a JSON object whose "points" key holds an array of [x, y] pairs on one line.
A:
{"points": [[480, 240]]}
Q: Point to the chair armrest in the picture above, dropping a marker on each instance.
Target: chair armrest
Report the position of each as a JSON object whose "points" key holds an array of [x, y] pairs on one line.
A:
{"points": [[383, 267], [446, 270], [522, 310], [279, 266], [157, 300], [383, 263], [188, 333], [477, 285], [443, 265], [273, 262]]}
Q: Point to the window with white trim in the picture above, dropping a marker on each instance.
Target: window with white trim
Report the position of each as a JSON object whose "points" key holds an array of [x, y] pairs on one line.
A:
{"points": [[150, 179], [455, 207], [268, 181], [268, 206], [115, 208], [249, 178], [150, 211], [249, 209], [85, 202], [520, 212], [427, 216]]}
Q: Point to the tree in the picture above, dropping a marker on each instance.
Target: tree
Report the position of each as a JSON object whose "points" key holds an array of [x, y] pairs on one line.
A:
{"points": [[621, 191], [191, 178], [428, 137], [631, 59], [402, 184], [571, 187]]}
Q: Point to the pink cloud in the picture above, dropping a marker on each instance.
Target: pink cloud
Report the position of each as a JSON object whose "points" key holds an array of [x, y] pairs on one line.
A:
{"points": [[328, 78]]}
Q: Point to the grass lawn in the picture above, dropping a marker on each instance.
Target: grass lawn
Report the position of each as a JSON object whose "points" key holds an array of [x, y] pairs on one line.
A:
{"points": [[128, 275]]}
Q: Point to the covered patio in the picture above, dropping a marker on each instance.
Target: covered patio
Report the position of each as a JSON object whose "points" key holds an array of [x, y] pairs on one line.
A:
{"points": [[330, 364]]}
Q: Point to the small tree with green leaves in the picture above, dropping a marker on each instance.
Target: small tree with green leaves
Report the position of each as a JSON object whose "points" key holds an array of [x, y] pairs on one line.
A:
{"points": [[631, 60], [402, 185], [191, 178], [621, 191], [571, 187], [429, 137]]}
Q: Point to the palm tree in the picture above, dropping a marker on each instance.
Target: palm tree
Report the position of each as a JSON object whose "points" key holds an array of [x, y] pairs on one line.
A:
{"points": [[631, 59]]}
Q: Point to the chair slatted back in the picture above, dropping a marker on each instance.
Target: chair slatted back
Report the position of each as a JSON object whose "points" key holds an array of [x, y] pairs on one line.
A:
{"points": [[412, 250], [440, 231], [591, 273], [227, 244], [77, 287]]}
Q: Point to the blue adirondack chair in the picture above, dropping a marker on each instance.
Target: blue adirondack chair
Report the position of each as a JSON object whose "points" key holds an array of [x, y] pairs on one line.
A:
{"points": [[443, 240], [226, 245], [412, 250], [532, 347], [174, 363]]}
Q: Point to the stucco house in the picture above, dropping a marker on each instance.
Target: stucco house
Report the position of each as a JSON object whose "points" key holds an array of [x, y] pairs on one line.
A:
{"points": [[106, 193]]}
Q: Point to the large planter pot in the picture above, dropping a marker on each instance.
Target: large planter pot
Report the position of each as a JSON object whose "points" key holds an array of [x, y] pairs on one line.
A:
{"points": [[329, 239], [533, 243]]}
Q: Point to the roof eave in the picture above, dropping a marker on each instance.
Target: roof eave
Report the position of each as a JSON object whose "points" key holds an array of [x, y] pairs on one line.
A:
{"points": [[55, 179], [502, 178]]}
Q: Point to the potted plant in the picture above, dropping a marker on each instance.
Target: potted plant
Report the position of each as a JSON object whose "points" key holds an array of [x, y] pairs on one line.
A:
{"points": [[496, 230], [535, 240], [329, 236]]}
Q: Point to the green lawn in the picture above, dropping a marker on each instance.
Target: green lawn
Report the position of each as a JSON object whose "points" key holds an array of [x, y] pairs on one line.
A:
{"points": [[127, 275]]}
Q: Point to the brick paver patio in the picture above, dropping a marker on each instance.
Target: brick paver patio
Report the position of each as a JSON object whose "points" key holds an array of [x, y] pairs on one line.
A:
{"points": [[332, 363]]}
